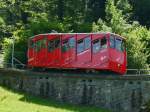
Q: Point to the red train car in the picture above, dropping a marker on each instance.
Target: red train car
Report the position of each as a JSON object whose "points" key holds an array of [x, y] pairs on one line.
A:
{"points": [[90, 51]]}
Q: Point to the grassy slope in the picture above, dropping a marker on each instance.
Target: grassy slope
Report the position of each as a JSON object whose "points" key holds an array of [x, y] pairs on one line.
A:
{"points": [[15, 102]]}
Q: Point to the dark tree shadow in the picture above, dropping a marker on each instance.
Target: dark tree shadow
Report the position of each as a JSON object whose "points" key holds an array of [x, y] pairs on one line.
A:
{"points": [[55, 104], [60, 105]]}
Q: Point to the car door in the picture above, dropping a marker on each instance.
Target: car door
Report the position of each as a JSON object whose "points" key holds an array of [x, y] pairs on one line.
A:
{"points": [[99, 51], [50, 51], [54, 51], [30, 52], [37, 51], [43, 51], [57, 51], [83, 50], [68, 50], [117, 52]]}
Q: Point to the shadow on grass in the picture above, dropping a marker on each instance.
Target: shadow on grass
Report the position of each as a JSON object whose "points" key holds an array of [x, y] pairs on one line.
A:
{"points": [[52, 103]]}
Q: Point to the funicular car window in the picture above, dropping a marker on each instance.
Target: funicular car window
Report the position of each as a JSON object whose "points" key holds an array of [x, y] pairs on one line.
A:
{"points": [[50, 45], [87, 42], [80, 46], [57, 43], [65, 46], [43, 43], [38, 46], [103, 43], [72, 42], [123, 45], [118, 45], [96, 45], [112, 41]]}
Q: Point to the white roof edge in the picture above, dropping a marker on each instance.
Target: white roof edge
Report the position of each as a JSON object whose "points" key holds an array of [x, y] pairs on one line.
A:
{"points": [[74, 33]]}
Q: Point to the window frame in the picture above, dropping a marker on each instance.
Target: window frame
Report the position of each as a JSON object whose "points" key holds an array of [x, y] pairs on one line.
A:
{"points": [[122, 47], [78, 45], [69, 42], [58, 44], [43, 43], [123, 44], [53, 43], [37, 45], [66, 44], [86, 48], [98, 41], [120, 42], [104, 37], [84, 44], [114, 42], [51, 48]]}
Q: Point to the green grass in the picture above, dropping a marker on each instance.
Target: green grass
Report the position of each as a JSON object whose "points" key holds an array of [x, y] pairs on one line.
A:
{"points": [[11, 101]]}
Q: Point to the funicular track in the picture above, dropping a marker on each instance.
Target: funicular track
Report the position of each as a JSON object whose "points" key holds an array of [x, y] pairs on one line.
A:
{"points": [[75, 74]]}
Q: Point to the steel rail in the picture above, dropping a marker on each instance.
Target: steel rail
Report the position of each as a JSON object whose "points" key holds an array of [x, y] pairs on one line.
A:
{"points": [[134, 72]]}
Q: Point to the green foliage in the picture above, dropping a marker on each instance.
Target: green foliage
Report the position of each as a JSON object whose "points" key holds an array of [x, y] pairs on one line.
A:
{"points": [[38, 24], [116, 20], [2, 21], [7, 50], [101, 26], [125, 7], [2, 29], [137, 53], [141, 9], [23, 19], [135, 34]]}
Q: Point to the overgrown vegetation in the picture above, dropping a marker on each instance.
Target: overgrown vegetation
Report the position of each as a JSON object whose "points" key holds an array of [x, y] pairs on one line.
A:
{"points": [[23, 19], [26, 103], [136, 35]]}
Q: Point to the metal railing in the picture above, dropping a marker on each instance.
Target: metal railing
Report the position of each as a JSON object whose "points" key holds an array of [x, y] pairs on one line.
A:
{"points": [[9, 65], [138, 71]]}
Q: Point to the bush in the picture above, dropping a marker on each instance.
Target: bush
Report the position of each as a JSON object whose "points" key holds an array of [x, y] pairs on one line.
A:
{"points": [[135, 34]]}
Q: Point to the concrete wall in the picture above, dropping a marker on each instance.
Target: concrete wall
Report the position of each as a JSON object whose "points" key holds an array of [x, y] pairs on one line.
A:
{"points": [[118, 95]]}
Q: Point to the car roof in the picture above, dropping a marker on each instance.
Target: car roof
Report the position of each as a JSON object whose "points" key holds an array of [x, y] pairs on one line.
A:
{"points": [[78, 33]]}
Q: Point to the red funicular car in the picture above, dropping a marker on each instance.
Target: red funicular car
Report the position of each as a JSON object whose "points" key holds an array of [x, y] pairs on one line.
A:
{"points": [[90, 51]]}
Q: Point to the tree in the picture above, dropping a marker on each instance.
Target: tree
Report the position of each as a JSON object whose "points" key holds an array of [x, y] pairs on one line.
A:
{"points": [[141, 9], [117, 22], [22, 19]]}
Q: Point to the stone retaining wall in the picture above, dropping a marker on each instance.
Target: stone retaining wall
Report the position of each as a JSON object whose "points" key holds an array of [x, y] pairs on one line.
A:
{"points": [[117, 95]]}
